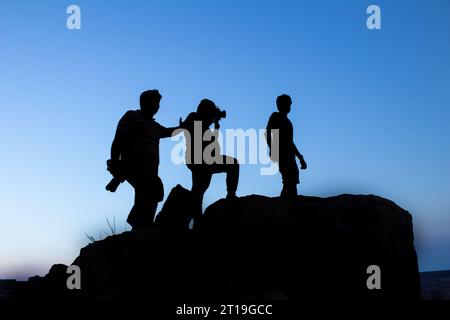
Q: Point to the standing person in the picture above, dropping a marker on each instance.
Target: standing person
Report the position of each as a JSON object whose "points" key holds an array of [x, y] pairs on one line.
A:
{"points": [[202, 163], [135, 158], [280, 131]]}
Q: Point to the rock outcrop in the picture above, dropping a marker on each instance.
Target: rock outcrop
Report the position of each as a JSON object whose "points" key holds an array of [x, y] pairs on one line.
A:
{"points": [[256, 247]]}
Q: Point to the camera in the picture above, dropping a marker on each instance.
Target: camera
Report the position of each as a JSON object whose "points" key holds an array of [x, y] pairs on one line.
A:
{"points": [[115, 167], [219, 114], [113, 184]]}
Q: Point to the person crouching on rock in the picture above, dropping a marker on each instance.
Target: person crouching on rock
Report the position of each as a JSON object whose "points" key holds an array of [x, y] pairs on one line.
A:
{"points": [[135, 158], [203, 156]]}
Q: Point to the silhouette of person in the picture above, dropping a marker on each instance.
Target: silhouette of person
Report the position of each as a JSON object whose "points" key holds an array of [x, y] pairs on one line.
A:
{"points": [[280, 130], [204, 164], [135, 158]]}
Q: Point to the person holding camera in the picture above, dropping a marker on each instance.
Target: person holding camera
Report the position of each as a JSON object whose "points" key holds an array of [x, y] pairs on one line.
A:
{"points": [[135, 158], [280, 139], [203, 156]]}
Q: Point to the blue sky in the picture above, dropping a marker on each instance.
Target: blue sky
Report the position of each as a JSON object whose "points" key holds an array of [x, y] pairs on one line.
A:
{"points": [[370, 108]]}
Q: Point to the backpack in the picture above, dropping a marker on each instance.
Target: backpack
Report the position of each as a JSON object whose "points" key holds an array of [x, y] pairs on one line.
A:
{"points": [[178, 210]]}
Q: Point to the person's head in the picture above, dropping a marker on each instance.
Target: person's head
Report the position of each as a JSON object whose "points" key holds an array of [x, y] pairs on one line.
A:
{"points": [[149, 102], [284, 103], [206, 110]]}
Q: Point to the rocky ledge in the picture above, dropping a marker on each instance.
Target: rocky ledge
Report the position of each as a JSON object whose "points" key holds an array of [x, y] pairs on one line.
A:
{"points": [[253, 247]]}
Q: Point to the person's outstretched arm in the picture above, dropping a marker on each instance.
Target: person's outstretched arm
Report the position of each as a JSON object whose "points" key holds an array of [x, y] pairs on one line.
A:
{"points": [[167, 132]]}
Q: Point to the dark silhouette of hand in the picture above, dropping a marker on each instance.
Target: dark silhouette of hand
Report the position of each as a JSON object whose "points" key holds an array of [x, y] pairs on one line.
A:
{"points": [[303, 163]]}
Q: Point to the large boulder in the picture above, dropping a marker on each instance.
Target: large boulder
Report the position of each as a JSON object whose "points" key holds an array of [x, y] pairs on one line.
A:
{"points": [[316, 247], [258, 247]]}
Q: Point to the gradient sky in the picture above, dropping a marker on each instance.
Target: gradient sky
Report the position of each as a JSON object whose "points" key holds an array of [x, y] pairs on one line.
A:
{"points": [[370, 108]]}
